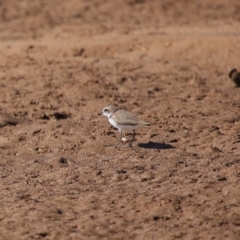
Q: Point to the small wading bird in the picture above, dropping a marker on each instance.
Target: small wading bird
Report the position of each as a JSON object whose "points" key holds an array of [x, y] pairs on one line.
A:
{"points": [[122, 120], [235, 76]]}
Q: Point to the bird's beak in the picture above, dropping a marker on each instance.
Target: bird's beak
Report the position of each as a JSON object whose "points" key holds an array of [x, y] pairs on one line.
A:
{"points": [[100, 113]]}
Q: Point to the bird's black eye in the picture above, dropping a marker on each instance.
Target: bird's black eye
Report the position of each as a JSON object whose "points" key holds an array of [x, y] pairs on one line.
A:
{"points": [[105, 110]]}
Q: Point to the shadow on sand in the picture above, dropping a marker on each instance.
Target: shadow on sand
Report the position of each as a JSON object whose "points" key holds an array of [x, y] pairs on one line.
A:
{"points": [[155, 145]]}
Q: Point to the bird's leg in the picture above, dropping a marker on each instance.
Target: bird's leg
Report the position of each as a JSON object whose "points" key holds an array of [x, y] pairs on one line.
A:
{"points": [[120, 138], [130, 143]]}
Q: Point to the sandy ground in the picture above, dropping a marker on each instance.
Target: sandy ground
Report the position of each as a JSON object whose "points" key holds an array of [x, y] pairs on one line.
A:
{"points": [[166, 61]]}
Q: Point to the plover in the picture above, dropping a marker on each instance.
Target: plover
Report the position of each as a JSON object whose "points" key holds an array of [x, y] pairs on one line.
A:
{"points": [[122, 120], [235, 76]]}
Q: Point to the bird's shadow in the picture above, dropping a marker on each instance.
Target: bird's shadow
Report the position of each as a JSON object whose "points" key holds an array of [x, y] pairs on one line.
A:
{"points": [[155, 145]]}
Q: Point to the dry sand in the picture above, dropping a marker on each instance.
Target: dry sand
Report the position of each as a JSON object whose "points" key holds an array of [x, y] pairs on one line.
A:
{"points": [[166, 61]]}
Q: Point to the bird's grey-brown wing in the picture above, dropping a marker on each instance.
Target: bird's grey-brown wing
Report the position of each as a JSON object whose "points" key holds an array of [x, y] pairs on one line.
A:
{"points": [[126, 118]]}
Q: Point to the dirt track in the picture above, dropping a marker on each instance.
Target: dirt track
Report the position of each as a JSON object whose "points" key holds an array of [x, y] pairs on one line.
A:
{"points": [[61, 62]]}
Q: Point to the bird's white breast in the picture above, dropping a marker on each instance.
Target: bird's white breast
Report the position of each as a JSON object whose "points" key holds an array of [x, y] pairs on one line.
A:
{"points": [[113, 123]]}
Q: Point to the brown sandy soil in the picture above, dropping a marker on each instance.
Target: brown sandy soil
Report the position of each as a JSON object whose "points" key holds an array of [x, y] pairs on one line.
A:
{"points": [[167, 61]]}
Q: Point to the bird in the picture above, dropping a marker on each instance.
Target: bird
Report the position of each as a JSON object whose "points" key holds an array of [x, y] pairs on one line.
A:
{"points": [[235, 76], [122, 120]]}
